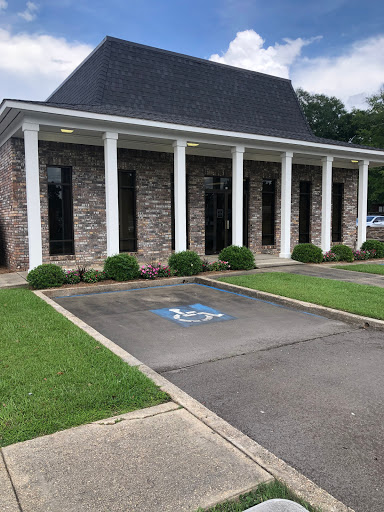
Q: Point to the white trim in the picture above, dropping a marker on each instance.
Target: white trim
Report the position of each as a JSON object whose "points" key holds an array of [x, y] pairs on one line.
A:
{"points": [[180, 195], [362, 203], [31, 149], [237, 194], [326, 203], [31, 107], [111, 192], [286, 204]]}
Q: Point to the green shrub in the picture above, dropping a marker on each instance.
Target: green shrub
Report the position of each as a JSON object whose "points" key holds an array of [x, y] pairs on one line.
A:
{"points": [[121, 267], [238, 258], [93, 276], [185, 263], [343, 252], [46, 275], [374, 245], [307, 253]]}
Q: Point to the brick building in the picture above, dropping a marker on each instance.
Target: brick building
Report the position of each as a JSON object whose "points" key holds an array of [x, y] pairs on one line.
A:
{"points": [[147, 151]]}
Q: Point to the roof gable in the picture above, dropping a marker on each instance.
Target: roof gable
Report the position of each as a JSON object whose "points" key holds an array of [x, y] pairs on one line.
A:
{"points": [[149, 83]]}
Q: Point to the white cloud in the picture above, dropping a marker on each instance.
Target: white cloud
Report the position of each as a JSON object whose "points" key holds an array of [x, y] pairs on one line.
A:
{"points": [[3, 4], [356, 73], [247, 51], [30, 12], [32, 66]]}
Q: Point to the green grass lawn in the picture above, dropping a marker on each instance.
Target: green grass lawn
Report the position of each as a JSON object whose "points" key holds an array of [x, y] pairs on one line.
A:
{"points": [[370, 268], [263, 493], [360, 299], [54, 376]]}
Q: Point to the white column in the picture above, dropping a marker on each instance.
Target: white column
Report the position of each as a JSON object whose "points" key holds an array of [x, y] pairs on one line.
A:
{"points": [[31, 148], [362, 203], [180, 195], [286, 192], [237, 195], [111, 192], [326, 203]]}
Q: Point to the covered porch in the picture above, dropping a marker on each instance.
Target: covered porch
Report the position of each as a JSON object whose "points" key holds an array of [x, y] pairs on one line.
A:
{"points": [[237, 157]]}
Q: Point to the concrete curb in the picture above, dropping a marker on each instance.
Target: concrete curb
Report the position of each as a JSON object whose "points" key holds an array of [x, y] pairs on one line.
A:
{"points": [[298, 483]]}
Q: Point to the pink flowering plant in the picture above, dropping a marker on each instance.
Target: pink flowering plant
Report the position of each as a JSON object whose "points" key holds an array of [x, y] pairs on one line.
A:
{"points": [[93, 276], [215, 266], [72, 277], [330, 256], [155, 270], [362, 255], [219, 265]]}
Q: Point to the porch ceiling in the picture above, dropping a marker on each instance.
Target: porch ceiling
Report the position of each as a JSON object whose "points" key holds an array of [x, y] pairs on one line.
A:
{"points": [[150, 143]]}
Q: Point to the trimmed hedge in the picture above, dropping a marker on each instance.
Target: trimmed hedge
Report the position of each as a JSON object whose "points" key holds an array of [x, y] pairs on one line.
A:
{"points": [[46, 275], [343, 252], [121, 267], [238, 258], [307, 253], [375, 245], [185, 263]]}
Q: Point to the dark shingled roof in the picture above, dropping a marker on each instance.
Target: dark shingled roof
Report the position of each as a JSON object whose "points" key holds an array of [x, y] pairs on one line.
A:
{"points": [[129, 79]]}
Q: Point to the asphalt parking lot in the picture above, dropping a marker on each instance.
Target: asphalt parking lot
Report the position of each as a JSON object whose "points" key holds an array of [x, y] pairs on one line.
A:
{"points": [[307, 388]]}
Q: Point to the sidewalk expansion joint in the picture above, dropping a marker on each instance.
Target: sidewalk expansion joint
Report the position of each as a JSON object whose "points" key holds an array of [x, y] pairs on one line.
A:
{"points": [[115, 420]]}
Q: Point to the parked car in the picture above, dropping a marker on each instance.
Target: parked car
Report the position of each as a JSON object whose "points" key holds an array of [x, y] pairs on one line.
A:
{"points": [[373, 221]]}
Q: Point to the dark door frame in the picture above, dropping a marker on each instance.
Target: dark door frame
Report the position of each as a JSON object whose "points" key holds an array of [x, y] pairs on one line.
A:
{"points": [[212, 241]]}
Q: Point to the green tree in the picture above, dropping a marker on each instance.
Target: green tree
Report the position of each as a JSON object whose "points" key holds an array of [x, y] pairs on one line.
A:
{"points": [[370, 123], [327, 116]]}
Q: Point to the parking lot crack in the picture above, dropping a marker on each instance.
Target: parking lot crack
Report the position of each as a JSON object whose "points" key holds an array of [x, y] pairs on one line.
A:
{"points": [[241, 354]]}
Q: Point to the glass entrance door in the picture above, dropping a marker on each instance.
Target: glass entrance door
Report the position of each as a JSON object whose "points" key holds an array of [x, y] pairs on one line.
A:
{"points": [[218, 213]]}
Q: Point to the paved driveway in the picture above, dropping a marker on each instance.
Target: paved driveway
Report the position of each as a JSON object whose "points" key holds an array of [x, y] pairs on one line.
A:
{"points": [[307, 388]]}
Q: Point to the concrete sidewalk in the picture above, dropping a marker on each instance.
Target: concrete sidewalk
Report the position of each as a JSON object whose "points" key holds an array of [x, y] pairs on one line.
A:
{"points": [[13, 280], [160, 458]]}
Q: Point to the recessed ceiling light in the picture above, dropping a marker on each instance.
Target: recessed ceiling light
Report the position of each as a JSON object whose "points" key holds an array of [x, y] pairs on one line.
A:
{"points": [[355, 161], [192, 144], [66, 130]]}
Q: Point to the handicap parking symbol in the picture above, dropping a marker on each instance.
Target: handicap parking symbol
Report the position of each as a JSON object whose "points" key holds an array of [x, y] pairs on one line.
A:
{"points": [[193, 314]]}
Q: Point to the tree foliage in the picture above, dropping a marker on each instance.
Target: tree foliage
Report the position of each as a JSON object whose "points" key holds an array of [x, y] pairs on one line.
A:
{"points": [[326, 115], [328, 118]]}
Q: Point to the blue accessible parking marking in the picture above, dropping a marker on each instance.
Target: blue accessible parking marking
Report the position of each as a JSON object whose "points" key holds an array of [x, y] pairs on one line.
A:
{"points": [[193, 314]]}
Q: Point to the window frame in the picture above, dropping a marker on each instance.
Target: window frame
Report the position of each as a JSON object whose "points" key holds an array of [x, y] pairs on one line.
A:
{"points": [[273, 208], [305, 237], [67, 214], [337, 234], [134, 206]]}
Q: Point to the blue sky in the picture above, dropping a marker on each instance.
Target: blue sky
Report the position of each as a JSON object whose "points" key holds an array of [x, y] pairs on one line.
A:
{"points": [[330, 46]]}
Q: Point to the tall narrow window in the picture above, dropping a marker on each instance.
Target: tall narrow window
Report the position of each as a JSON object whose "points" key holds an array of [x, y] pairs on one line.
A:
{"points": [[337, 211], [127, 211], [268, 212], [60, 210], [305, 212]]}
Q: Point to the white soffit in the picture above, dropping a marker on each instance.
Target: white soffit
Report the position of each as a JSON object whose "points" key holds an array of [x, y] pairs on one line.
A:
{"points": [[157, 136]]}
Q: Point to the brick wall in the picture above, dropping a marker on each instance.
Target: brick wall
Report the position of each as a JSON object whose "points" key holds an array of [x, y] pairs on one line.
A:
{"points": [[349, 215], [153, 195], [6, 202], [313, 174], [376, 233]]}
